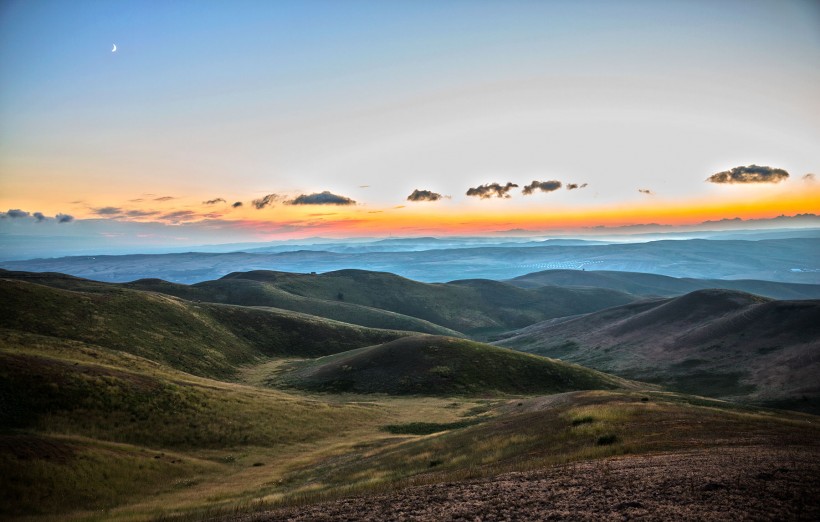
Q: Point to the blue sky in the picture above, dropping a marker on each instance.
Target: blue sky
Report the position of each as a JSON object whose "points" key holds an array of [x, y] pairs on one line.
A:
{"points": [[372, 100]]}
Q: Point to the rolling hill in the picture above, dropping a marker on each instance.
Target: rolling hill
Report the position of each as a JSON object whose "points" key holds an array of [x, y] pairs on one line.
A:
{"points": [[659, 285], [199, 338], [468, 306], [434, 365], [718, 343]]}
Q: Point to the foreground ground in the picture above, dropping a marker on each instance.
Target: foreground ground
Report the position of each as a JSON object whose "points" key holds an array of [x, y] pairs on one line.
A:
{"points": [[739, 483]]}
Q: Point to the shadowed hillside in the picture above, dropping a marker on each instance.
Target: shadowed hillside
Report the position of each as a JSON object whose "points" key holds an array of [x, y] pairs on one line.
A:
{"points": [[203, 339], [660, 285], [432, 365], [468, 306], [710, 342]]}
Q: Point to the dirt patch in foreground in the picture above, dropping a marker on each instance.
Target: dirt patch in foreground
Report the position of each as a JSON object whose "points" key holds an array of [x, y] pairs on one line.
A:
{"points": [[719, 484]]}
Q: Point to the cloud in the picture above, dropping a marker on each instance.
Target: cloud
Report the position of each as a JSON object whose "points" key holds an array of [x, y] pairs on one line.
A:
{"points": [[646, 191], [64, 218], [573, 186], [750, 174], [141, 213], [543, 186], [15, 213], [424, 195], [214, 201], [164, 198], [263, 202], [179, 215], [237, 204], [491, 189], [39, 216], [809, 178], [323, 198], [107, 211]]}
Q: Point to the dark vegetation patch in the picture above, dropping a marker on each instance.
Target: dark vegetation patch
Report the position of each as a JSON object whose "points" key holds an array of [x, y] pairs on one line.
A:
{"points": [[426, 428], [430, 365]]}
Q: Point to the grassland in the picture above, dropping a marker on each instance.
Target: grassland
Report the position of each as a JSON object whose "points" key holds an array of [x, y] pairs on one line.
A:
{"points": [[122, 404]]}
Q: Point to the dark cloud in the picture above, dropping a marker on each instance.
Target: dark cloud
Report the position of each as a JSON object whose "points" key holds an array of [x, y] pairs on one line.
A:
{"points": [[39, 216], [646, 191], [573, 186], [64, 218], [164, 198], [543, 186], [15, 213], [264, 202], [424, 195], [809, 177], [491, 189], [322, 198], [237, 204], [141, 213], [107, 211], [750, 174], [214, 201]]}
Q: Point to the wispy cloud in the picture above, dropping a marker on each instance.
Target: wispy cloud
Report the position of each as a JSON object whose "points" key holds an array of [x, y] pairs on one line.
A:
{"points": [[646, 191], [809, 178], [573, 186], [214, 201], [543, 186], [321, 198], [179, 215], [237, 204], [263, 202], [164, 198], [491, 189], [107, 211], [750, 174], [141, 213], [424, 195]]}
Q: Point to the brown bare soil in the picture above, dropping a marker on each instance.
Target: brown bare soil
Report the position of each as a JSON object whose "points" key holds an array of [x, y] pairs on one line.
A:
{"points": [[740, 483]]}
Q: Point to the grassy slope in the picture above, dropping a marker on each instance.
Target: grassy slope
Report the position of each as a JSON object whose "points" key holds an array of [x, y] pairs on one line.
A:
{"points": [[659, 285], [711, 342], [203, 339], [85, 426], [432, 365], [466, 306]]}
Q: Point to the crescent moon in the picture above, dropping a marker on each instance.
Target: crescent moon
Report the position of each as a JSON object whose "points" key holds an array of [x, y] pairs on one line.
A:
{"points": [[114, 49]]}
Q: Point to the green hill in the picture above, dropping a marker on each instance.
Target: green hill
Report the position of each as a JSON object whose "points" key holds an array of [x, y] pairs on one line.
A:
{"points": [[718, 343], [639, 283], [199, 338], [433, 365], [469, 306]]}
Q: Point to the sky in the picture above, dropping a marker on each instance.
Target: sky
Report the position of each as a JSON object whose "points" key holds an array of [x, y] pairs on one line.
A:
{"points": [[235, 121]]}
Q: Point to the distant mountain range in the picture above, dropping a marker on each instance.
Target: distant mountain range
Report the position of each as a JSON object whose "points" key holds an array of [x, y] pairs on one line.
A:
{"points": [[793, 260]]}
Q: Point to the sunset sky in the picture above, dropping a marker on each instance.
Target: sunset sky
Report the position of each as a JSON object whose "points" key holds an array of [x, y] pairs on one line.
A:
{"points": [[340, 110]]}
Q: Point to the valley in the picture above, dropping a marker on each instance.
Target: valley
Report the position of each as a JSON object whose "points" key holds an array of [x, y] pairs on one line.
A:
{"points": [[261, 394]]}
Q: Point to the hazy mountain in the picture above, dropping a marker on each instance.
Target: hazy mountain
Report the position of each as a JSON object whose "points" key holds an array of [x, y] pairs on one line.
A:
{"points": [[718, 343], [788, 260], [658, 285]]}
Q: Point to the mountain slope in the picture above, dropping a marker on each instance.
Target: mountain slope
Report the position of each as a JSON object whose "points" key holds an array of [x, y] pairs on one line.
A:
{"points": [[199, 338], [659, 285], [433, 365], [467, 306], [711, 342]]}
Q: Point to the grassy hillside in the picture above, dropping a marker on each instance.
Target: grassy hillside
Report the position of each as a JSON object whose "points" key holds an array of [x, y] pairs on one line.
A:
{"points": [[660, 285], [469, 306], [718, 343], [432, 365], [203, 339]]}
